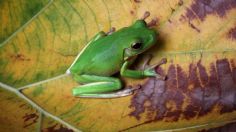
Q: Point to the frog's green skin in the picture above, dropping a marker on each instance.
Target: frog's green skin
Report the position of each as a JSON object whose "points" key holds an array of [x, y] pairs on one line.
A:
{"points": [[106, 55]]}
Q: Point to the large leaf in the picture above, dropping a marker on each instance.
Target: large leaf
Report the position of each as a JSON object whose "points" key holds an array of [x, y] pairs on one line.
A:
{"points": [[39, 41]]}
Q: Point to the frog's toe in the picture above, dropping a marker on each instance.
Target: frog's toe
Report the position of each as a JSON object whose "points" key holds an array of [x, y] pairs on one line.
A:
{"points": [[162, 77], [152, 23], [145, 15], [163, 61], [112, 30], [128, 91]]}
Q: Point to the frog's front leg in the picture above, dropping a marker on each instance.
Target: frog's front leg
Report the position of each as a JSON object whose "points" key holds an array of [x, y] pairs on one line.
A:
{"points": [[99, 87], [148, 72]]}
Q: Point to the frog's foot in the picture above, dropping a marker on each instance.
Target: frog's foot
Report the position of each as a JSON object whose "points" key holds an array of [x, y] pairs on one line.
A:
{"points": [[144, 61], [163, 61], [152, 23], [121, 93], [112, 30], [150, 70], [145, 15]]}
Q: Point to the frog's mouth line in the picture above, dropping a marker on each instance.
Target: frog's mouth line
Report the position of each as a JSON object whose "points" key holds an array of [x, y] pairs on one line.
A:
{"points": [[129, 58]]}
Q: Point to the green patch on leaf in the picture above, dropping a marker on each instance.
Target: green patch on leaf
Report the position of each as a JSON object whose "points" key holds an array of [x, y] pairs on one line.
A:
{"points": [[37, 91]]}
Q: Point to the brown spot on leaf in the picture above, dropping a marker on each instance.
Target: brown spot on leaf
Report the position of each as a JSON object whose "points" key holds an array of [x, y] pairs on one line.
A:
{"points": [[182, 18], [233, 67], [194, 94], [19, 57], [60, 129], [137, 1], [30, 119], [132, 12], [201, 90], [22, 105], [180, 3], [172, 10], [202, 73], [211, 90], [227, 86], [201, 8], [232, 33], [194, 27]]}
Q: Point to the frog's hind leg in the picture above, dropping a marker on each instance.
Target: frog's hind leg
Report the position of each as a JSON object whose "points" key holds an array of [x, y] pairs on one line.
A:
{"points": [[99, 87]]}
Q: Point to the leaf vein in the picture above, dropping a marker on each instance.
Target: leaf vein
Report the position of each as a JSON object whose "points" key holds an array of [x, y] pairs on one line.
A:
{"points": [[26, 24]]}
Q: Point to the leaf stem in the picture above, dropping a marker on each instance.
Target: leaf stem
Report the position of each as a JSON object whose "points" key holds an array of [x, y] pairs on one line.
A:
{"points": [[37, 107]]}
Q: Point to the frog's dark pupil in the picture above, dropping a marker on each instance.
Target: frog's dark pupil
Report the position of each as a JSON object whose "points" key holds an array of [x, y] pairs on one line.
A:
{"points": [[136, 45]]}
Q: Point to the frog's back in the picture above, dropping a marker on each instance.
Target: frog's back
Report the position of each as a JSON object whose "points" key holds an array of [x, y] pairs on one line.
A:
{"points": [[102, 57]]}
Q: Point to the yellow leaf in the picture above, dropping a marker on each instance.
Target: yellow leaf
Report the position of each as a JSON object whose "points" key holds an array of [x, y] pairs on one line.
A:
{"points": [[39, 41]]}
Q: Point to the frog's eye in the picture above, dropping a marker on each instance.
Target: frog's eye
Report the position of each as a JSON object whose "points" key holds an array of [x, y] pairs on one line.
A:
{"points": [[136, 45]]}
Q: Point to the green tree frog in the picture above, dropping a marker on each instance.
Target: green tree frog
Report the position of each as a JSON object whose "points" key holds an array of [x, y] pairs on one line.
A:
{"points": [[107, 54]]}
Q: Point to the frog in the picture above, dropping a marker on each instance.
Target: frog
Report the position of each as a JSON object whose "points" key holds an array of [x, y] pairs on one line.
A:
{"points": [[110, 53]]}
